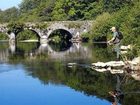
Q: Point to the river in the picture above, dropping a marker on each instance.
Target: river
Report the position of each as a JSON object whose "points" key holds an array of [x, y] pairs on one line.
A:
{"points": [[34, 74]]}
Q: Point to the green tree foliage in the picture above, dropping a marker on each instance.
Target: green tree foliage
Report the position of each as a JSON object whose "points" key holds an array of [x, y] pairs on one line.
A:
{"points": [[8, 15], [27, 35], [127, 19], [50, 10], [45, 10], [28, 5], [114, 5], [58, 11], [76, 9], [16, 27], [3, 36]]}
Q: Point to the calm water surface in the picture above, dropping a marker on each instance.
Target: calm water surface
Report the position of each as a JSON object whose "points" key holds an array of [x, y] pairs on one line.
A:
{"points": [[40, 75]]}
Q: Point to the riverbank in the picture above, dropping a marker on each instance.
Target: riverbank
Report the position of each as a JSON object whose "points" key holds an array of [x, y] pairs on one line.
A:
{"points": [[29, 41], [4, 40], [119, 67]]}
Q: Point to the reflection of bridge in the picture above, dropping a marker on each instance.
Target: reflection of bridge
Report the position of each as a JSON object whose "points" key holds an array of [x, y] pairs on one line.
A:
{"points": [[73, 27], [76, 48], [76, 51], [4, 54]]}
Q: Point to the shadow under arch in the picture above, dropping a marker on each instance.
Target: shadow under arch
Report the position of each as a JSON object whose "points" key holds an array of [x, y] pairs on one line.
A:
{"points": [[59, 40], [27, 34], [62, 32]]}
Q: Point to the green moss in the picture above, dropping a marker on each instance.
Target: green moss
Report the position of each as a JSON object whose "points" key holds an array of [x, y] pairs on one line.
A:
{"points": [[74, 25]]}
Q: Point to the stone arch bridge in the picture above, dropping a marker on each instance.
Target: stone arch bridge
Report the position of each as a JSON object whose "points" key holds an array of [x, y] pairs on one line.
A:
{"points": [[44, 29]]}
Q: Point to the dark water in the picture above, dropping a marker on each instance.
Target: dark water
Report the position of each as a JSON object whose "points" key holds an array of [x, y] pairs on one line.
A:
{"points": [[33, 74]]}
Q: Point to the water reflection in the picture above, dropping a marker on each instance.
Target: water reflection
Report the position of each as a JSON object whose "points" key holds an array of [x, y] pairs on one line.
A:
{"points": [[12, 47], [75, 53], [85, 80], [117, 94], [45, 70], [24, 89], [4, 52], [61, 46], [34, 50]]}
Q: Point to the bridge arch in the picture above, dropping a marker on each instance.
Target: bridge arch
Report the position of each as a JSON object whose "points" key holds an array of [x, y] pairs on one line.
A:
{"points": [[62, 31], [58, 26], [33, 34], [63, 42]]}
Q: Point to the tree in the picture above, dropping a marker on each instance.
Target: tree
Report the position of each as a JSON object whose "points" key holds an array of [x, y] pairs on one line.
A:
{"points": [[28, 5], [114, 5], [8, 15], [58, 12]]}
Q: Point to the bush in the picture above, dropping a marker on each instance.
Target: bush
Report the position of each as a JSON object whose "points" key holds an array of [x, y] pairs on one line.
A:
{"points": [[15, 27], [127, 19], [3, 36], [26, 35], [101, 26]]}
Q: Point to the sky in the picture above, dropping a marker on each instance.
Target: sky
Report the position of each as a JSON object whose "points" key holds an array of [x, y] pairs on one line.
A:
{"points": [[5, 4]]}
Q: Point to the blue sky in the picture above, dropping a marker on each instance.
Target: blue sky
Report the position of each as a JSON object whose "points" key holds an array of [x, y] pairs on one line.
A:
{"points": [[5, 4]]}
